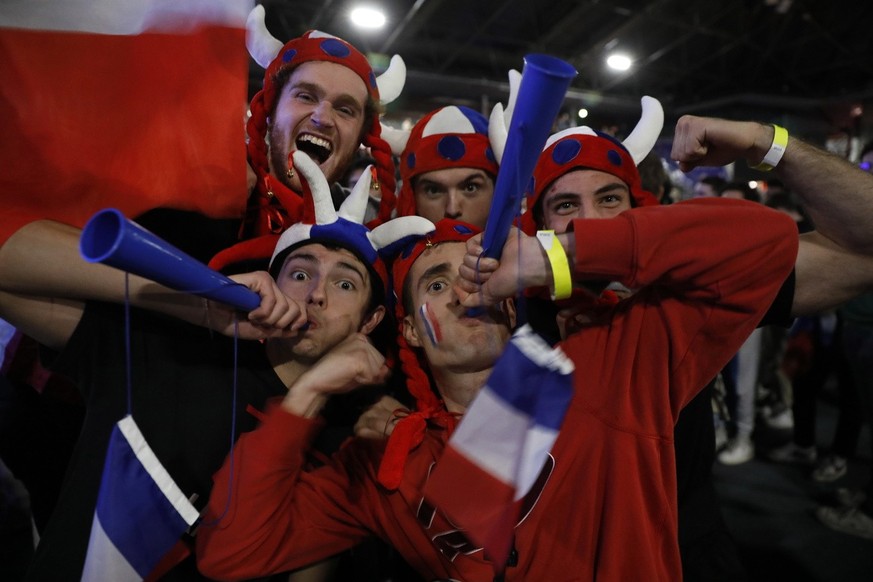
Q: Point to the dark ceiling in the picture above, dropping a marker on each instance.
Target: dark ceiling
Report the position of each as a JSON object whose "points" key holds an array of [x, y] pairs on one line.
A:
{"points": [[810, 59]]}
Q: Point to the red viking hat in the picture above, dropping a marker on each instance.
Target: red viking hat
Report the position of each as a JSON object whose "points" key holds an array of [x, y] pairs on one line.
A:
{"points": [[275, 57], [449, 137], [582, 147], [410, 429]]}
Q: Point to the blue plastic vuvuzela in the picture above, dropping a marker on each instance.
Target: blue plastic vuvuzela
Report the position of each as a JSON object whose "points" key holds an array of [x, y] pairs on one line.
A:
{"points": [[112, 239]]}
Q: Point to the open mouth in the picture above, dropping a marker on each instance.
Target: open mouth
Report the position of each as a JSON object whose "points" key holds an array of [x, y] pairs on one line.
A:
{"points": [[317, 148]]}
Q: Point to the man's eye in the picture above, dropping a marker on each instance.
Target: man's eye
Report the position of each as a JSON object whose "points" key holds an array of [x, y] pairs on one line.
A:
{"points": [[436, 286], [346, 285], [471, 187], [299, 276]]}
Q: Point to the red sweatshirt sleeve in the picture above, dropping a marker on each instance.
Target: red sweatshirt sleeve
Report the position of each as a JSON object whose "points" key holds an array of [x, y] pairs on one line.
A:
{"points": [[279, 517], [707, 271]]}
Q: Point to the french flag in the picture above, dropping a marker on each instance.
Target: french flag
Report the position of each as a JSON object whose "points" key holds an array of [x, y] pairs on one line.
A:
{"points": [[132, 104], [502, 443], [141, 513]]}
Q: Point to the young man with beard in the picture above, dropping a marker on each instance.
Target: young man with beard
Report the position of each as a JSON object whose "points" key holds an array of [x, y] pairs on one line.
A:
{"points": [[329, 287], [320, 96]]}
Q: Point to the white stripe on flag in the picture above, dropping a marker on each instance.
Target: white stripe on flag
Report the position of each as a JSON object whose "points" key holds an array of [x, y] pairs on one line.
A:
{"points": [[140, 513], [105, 561], [537, 444], [491, 435], [123, 16], [539, 352], [157, 471], [513, 422]]}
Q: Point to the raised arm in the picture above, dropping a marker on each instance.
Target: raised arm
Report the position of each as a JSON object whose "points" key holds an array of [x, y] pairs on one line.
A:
{"points": [[280, 517], [837, 195], [833, 264]]}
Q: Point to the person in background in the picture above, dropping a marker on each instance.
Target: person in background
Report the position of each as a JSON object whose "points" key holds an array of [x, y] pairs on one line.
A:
{"points": [[654, 178], [708, 187], [739, 191]]}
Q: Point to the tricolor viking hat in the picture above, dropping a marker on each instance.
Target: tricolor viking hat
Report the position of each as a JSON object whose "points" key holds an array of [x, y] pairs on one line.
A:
{"points": [[275, 57], [344, 228], [583, 147]]}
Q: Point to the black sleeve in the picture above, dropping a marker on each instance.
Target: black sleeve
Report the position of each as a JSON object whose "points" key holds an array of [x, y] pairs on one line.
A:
{"points": [[193, 233], [780, 310]]}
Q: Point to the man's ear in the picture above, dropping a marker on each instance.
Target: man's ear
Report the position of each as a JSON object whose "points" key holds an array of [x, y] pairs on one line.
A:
{"points": [[372, 320], [410, 334]]}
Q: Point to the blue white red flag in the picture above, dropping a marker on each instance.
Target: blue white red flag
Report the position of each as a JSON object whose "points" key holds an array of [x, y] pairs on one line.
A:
{"points": [[501, 444], [131, 104], [141, 513]]}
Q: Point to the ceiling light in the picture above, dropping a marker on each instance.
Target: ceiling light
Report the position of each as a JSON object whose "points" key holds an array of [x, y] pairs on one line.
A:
{"points": [[618, 62], [583, 113], [366, 17]]}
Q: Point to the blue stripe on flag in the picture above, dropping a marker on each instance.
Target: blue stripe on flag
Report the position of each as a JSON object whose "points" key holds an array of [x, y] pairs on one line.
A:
{"points": [[133, 509], [534, 378]]}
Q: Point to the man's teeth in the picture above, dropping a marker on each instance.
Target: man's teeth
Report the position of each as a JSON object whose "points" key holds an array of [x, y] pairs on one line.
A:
{"points": [[322, 143]]}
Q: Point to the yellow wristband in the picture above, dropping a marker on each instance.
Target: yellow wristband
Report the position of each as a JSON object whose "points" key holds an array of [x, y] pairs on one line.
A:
{"points": [[777, 148], [562, 286]]}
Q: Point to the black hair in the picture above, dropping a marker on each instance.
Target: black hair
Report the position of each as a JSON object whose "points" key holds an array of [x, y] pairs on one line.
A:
{"points": [[377, 287]]}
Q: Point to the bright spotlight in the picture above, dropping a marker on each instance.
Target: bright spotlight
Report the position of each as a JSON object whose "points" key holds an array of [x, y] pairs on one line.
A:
{"points": [[753, 184], [619, 62], [365, 17], [583, 113]]}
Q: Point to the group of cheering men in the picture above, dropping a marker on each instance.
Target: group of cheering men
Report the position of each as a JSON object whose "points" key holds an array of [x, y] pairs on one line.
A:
{"points": [[372, 288]]}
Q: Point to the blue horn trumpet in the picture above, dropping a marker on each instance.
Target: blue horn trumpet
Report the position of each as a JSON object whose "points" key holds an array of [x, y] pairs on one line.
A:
{"points": [[544, 82], [110, 238]]}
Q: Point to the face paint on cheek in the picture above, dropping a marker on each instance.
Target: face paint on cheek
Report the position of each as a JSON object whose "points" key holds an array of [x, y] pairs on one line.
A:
{"points": [[431, 326]]}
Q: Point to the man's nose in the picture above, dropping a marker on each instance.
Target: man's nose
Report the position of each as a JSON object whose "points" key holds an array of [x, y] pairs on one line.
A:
{"points": [[323, 114], [317, 293], [453, 204]]}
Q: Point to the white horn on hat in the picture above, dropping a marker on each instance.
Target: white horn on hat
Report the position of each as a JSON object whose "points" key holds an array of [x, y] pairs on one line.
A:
{"points": [[398, 229], [262, 45], [580, 130], [642, 139], [391, 82], [321, 200], [354, 207], [396, 138], [500, 118]]}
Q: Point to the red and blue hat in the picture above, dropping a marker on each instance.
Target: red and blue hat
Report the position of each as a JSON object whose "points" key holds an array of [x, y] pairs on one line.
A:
{"points": [[582, 147], [449, 137]]}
